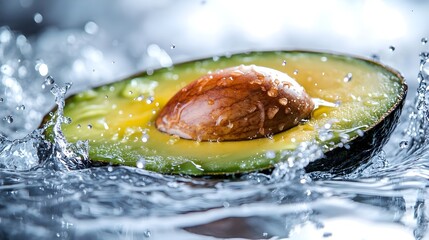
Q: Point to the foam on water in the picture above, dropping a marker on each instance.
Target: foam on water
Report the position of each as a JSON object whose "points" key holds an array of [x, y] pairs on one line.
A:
{"points": [[48, 191]]}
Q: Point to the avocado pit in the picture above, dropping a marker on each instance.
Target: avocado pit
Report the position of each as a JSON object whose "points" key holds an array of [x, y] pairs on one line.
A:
{"points": [[237, 103]]}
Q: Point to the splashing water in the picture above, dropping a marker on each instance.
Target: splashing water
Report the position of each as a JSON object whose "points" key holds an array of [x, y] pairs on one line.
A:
{"points": [[47, 189]]}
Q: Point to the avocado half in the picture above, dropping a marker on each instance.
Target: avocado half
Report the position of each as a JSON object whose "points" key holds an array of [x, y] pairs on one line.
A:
{"points": [[118, 120]]}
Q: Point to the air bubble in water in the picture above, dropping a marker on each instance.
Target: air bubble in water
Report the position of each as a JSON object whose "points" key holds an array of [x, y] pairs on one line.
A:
{"points": [[38, 18], [424, 40], [284, 63], [173, 46], [89, 126], [392, 48], [295, 72], [1, 100], [348, 77], [91, 28]]}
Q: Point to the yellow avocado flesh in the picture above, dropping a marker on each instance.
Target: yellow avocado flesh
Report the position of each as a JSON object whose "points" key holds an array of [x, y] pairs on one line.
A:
{"points": [[118, 119]]}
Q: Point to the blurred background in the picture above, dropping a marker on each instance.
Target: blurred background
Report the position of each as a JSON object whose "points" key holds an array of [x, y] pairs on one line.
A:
{"points": [[93, 42]]}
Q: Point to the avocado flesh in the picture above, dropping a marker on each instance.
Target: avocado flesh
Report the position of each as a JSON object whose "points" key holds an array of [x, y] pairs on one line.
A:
{"points": [[122, 114]]}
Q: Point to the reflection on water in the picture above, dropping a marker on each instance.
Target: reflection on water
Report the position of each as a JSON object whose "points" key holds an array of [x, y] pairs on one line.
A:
{"points": [[48, 192]]}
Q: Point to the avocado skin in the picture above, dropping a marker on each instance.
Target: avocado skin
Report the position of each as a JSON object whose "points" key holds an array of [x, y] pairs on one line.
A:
{"points": [[342, 161]]}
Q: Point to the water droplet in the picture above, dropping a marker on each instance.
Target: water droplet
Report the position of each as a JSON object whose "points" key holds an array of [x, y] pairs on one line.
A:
{"points": [[145, 137], [91, 27], [173, 139], [5, 35], [106, 96], [327, 234], [360, 133], [78, 126], [150, 100], [283, 101], [147, 233], [270, 154], [42, 69], [284, 63], [173, 46], [272, 111], [295, 72], [109, 168], [273, 92], [403, 144], [7, 70], [375, 57], [392, 48], [8, 119], [38, 18], [68, 85], [424, 67], [140, 98], [141, 163], [20, 108], [424, 40], [1, 100], [89, 126], [348, 77], [49, 80], [327, 125], [67, 120]]}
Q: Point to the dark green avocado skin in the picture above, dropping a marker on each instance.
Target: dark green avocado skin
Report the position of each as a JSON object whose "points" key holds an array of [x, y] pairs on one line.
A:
{"points": [[342, 161]]}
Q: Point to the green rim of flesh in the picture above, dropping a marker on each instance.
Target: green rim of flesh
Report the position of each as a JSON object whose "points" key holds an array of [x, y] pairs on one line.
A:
{"points": [[122, 114]]}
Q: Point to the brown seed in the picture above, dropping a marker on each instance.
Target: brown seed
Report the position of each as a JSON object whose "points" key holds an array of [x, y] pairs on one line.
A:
{"points": [[243, 108]]}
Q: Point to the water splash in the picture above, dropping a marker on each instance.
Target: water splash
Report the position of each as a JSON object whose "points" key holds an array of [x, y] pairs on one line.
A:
{"points": [[416, 134], [35, 151], [294, 162], [60, 154]]}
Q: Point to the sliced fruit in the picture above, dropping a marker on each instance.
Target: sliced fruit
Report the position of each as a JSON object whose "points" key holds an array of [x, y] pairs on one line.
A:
{"points": [[358, 103]]}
